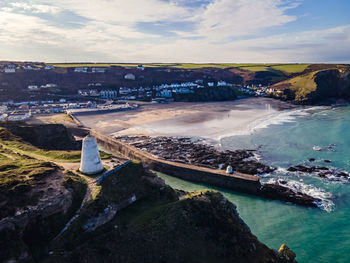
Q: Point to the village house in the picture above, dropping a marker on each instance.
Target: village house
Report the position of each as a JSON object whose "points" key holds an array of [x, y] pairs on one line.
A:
{"points": [[98, 70], [33, 87], [140, 67], [3, 109], [108, 94], [124, 91], [88, 92], [27, 67], [166, 94], [129, 76], [222, 83], [49, 67], [19, 115], [10, 68], [81, 70]]}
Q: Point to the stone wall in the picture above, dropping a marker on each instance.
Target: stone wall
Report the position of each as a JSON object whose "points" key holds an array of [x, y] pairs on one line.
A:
{"points": [[237, 182]]}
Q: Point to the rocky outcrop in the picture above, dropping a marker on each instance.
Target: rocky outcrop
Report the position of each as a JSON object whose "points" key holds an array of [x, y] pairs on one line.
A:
{"points": [[286, 255], [327, 86], [320, 171], [278, 191], [203, 226], [189, 151]]}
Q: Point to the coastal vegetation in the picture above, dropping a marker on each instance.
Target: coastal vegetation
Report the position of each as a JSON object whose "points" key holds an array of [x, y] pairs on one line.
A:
{"points": [[329, 81], [15, 143], [288, 68], [203, 225]]}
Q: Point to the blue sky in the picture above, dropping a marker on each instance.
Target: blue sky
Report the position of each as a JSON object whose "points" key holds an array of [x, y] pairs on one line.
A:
{"points": [[219, 31]]}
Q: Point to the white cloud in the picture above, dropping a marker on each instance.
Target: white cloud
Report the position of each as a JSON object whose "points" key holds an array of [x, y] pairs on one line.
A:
{"points": [[126, 12], [33, 8], [226, 18], [108, 33]]}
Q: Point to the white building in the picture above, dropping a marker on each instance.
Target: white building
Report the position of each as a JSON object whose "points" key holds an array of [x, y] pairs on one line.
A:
{"points": [[20, 115], [129, 76], [81, 70], [88, 92], [166, 93], [124, 91], [90, 157], [33, 87], [222, 83], [108, 94], [25, 67], [98, 70], [10, 68], [3, 109]]}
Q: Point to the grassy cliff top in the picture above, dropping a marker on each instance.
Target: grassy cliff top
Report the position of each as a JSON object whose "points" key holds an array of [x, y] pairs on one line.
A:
{"points": [[303, 85], [288, 68], [163, 225]]}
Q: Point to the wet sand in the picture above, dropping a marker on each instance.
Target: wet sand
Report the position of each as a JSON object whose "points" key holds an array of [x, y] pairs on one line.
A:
{"points": [[211, 120]]}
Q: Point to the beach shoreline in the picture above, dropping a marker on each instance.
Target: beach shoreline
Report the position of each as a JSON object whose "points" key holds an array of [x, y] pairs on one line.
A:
{"points": [[209, 120]]}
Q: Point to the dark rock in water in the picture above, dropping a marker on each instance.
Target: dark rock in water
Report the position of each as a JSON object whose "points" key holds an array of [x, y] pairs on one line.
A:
{"points": [[311, 159], [186, 150], [292, 169], [327, 161], [278, 192], [321, 171], [286, 254], [302, 168]]}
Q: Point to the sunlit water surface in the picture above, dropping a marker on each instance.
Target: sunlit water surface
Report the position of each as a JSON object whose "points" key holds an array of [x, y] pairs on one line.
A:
{"points": [[316, 235]]}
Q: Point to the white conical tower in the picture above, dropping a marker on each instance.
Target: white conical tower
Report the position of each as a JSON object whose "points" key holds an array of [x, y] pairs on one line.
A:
{"points": [[90, 157]]}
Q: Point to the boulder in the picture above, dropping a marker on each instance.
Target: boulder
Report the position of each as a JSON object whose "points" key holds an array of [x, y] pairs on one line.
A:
{"points": [[286, 254]]}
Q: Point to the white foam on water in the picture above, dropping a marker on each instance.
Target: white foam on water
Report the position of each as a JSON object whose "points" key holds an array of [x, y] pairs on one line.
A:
{"points": [[285, 116], [325, 204]]}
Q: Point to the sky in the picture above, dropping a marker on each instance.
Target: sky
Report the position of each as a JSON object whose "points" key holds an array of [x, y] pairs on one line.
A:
{"points": [[197, 31]]}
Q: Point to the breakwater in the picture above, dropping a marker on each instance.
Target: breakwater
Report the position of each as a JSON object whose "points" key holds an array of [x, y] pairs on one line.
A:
{"points": [[237, 182]]}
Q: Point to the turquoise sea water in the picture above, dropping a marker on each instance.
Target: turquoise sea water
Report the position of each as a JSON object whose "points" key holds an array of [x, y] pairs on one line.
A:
{"points": [[315, 234]]}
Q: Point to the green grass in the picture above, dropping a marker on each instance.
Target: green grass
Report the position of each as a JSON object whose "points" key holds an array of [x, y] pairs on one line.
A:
{"points": [[301, 85], [18, 175], [287, 68], [255, 68], [14, 143], [291, 68], [102, 65]]}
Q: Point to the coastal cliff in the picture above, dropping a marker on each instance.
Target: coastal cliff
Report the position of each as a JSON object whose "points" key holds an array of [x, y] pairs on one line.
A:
{"points": [[318, 86], [132, 216], [158, 224]]}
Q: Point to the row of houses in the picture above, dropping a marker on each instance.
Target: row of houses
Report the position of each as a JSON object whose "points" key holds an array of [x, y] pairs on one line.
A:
{"points": [[12, 68], [89, 70], [260, 90], [160, 91], [37, 87]]}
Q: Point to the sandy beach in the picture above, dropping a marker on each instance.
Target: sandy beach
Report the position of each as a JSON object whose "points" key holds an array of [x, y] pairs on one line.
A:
{"points": [[211, 120]]}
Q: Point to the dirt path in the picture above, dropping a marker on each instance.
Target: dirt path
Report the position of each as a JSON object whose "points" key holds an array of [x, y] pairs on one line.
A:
{"points": [[91, 186]]}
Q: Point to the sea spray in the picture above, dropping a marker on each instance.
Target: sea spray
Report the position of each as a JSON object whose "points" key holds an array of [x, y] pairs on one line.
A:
{"points": [[299, 187]]}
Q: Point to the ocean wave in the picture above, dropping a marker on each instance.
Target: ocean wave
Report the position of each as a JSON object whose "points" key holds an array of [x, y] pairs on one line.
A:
{"points": [[325, 204], [327, 148], [286, 116]]}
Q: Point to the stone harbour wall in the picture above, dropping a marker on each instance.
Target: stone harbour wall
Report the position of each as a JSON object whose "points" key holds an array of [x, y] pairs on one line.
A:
{"points": [[236, 182]]}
